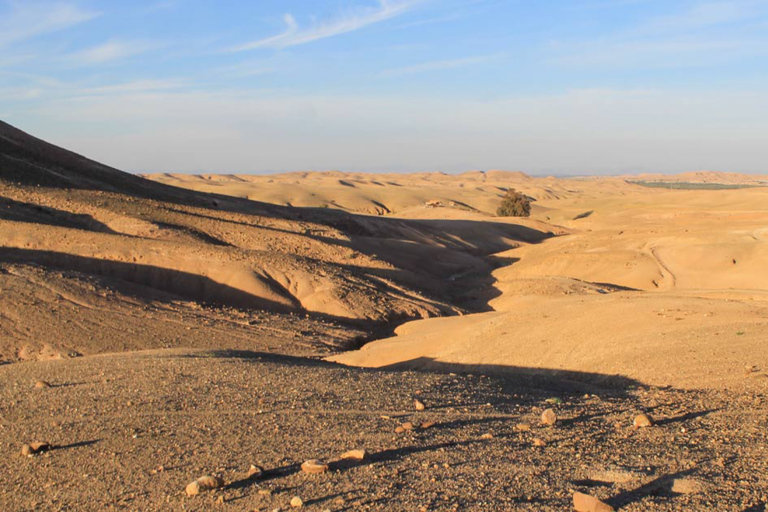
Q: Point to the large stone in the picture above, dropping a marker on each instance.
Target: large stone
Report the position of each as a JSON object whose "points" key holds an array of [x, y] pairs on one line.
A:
{"points": [[586, 503], [549, 417]]}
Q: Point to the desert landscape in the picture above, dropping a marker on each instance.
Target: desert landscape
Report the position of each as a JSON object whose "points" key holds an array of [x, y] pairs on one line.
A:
{"points": [[356, 341]]}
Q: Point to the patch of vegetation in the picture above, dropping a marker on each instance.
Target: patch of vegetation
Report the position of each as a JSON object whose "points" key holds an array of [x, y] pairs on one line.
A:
{"points": [[690, 185], [514, 204]]}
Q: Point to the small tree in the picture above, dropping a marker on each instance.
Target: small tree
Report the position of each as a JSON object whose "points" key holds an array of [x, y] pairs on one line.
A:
{"points": [[514, 204]]}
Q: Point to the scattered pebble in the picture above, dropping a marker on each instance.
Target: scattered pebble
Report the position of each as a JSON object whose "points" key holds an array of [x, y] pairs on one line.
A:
{"points": [[33, 448], [407, 425], [254, 472], [549, 417], [42, 384], [297, 502], [314, 467], [419, 405], [642, 420], [204, 483], [487, 435], [428, 424]]}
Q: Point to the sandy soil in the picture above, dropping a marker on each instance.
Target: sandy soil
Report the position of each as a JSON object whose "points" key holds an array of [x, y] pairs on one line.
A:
{"points": [[198, 330]]}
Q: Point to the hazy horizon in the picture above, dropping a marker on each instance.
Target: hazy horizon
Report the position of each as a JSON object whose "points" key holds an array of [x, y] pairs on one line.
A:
{"points": [[567, 88]]}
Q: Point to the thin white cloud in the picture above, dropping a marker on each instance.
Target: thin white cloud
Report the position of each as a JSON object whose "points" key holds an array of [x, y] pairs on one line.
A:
{"points": [[294, 35], [161, 6], [111, 51], [438, 65], [705, 14], [683, 39], [135, 86], [28, 19]]}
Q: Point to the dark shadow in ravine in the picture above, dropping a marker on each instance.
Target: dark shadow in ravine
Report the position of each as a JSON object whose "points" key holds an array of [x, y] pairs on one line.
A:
{"points": [[18, 211], [536, 383], [565, 382], [171, 284]]}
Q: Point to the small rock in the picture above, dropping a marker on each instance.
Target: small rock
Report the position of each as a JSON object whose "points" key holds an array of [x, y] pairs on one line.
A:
{"points": [[204, 483], [314, 467], [254, 472], [399, 430], [407, 425], [487, 435], [586, 503], [642, 420], [41, 384], [419, 405], [265, 492], [523, 427], [33, 448], [539, 442], [549, 417], [353, 455], [297, 502], [427, 424]]}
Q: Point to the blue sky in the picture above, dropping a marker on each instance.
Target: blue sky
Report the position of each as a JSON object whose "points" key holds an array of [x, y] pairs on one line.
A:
{"points": [[547, 87]]}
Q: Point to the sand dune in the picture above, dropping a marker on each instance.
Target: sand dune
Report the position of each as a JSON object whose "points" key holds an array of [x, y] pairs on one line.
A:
{"points": [[227, 303], [65, 213]]}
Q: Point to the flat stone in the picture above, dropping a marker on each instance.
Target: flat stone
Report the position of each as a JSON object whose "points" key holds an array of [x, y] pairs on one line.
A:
{"points": [[353, 455], [314, 467], [586, 503]]}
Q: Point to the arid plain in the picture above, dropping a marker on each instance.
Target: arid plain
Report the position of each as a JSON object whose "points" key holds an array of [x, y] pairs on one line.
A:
{"points": [[157, 329]]}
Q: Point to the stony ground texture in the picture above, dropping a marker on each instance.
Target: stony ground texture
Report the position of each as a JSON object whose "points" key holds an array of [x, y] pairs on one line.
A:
{"points": [[130, 431]]}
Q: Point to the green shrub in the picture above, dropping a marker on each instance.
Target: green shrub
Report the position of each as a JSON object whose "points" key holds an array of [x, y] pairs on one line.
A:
{"points": [[514, 204]]}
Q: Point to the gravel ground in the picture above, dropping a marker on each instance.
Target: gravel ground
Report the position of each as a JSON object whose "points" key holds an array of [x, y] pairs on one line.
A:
{"points": [[130, 431]]}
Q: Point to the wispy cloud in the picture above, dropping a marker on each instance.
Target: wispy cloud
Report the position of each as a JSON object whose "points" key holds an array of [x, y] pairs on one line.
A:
{"points": [[690, 37], [135, 86], [706, 14], [437, 65], [161, 6], [111, 51], [27, 19], [295, 35]]}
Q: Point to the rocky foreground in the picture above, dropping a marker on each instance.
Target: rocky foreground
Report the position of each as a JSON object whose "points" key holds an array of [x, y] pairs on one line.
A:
{"points": [[131, 431]]}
